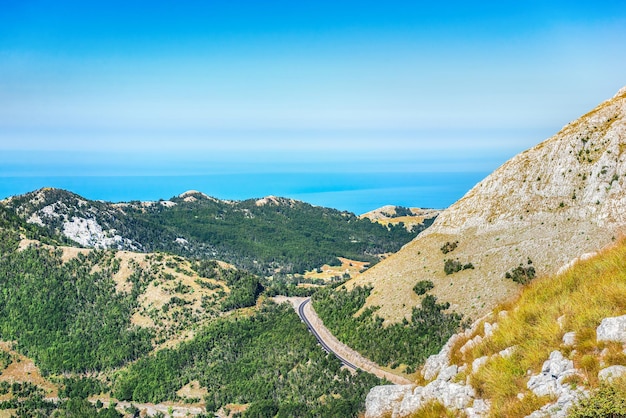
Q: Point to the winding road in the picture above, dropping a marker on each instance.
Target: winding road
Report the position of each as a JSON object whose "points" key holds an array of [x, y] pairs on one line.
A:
{"points": [[331, 344], [319, 338]]}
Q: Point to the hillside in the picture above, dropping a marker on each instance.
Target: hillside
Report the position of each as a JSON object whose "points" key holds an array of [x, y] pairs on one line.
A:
{"points": [[409, 217], [556, 350], [543, 208], [109, 325], [265, 236]]}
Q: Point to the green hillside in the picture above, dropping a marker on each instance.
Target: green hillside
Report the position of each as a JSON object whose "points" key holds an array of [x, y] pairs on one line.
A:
{"points": [[281, 235], [141, 327]]}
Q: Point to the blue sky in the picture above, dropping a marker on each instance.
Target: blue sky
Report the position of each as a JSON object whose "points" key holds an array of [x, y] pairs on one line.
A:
{"points": [[196, 87]]}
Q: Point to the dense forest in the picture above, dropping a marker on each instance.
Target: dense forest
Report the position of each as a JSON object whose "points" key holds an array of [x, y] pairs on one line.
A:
{"points": [[279, 235], [268, 360], [409, 342], [64, 316]]}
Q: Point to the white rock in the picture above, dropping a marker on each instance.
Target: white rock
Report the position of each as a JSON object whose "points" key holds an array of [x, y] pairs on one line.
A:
{"points": [[451, 395], [554, 370], [489, 329], [382, 400], [569, 339], [448, 373], [480, 408], [551, 382], [612, 372], [410, 403], [435, 363], [479, 362], [471, 344], [612, 329], [507, 352]]}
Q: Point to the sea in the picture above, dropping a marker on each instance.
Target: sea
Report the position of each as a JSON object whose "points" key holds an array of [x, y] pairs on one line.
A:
{"points": [[353, 192]]}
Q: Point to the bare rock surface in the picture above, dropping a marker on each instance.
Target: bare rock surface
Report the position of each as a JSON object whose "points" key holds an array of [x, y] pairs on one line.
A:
{"points": [[551, 381], [612, 329], [612, 372]]}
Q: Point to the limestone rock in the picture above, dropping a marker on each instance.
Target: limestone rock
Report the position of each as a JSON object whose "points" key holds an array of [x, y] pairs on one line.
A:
{"points": [[612, 372], [410, 403], [382, 400], [569, 339], [550, 382], [479, 409], [479, 362], [612, 329], [435, 363], [448, 373], [507, 352]]}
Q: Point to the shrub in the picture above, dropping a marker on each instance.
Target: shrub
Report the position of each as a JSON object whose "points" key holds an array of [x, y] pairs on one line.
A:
{"points": [[423, 286], [453, 266], [449, 247], [607, 401], [521, 274]]}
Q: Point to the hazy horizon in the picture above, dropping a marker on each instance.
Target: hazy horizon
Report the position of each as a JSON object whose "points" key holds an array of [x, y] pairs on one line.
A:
{"points": [[251, 88]]}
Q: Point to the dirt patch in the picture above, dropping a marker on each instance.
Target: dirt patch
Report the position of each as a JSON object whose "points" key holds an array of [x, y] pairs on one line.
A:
{"points": [[192, 390], [23, 369], [347, 267]]}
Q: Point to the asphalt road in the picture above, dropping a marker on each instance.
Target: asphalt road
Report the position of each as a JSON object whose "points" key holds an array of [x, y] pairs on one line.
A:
{"points": [[319, 338]]}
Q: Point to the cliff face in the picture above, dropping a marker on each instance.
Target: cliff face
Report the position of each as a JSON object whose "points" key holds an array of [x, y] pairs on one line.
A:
{"points": [[550, 204]]}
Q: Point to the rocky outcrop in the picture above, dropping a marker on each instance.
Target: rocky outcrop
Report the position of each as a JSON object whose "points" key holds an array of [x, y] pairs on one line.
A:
{"points": [[402, 401], [551, 381], [612, 372], [612, 329], [556, 202], [383, 400]]}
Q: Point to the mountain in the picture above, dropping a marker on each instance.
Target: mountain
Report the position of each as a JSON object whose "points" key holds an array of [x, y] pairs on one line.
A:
{"points": [[543, 208], [267, 236], [554, 351]]}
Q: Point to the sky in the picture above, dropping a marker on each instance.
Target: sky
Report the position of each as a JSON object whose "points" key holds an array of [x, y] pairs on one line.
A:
{"points": [[157, 88]]}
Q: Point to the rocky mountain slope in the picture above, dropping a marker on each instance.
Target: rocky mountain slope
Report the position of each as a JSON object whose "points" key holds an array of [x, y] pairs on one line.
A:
{"points": [[558, 350], [543, 208], [266, 235]]}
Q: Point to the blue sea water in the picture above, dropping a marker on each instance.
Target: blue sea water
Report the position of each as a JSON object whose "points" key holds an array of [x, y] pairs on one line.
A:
{"points": [[354, 192]]}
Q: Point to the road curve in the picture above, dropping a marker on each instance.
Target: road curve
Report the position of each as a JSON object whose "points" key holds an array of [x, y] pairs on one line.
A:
{"points": [[319, 338], [345, 354]]}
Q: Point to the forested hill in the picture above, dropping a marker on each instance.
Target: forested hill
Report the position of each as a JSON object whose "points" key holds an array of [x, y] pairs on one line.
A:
{"points": [[152, 327], [264, 236]]}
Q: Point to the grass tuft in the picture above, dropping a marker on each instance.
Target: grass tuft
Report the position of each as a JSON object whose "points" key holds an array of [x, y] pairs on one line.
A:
{"points": [[436, 410]]}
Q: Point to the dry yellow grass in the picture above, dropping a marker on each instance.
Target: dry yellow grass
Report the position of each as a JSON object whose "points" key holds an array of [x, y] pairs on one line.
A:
{"points": [[576, 300], [350, 267], [22, 369]]}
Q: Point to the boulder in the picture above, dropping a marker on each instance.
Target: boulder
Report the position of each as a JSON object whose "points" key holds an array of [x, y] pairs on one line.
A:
{"points": [[480, 408], [612, 372], [381, 400], [612, 329], [569, 339], [549, 381], [448, 373], [410, 403]]}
